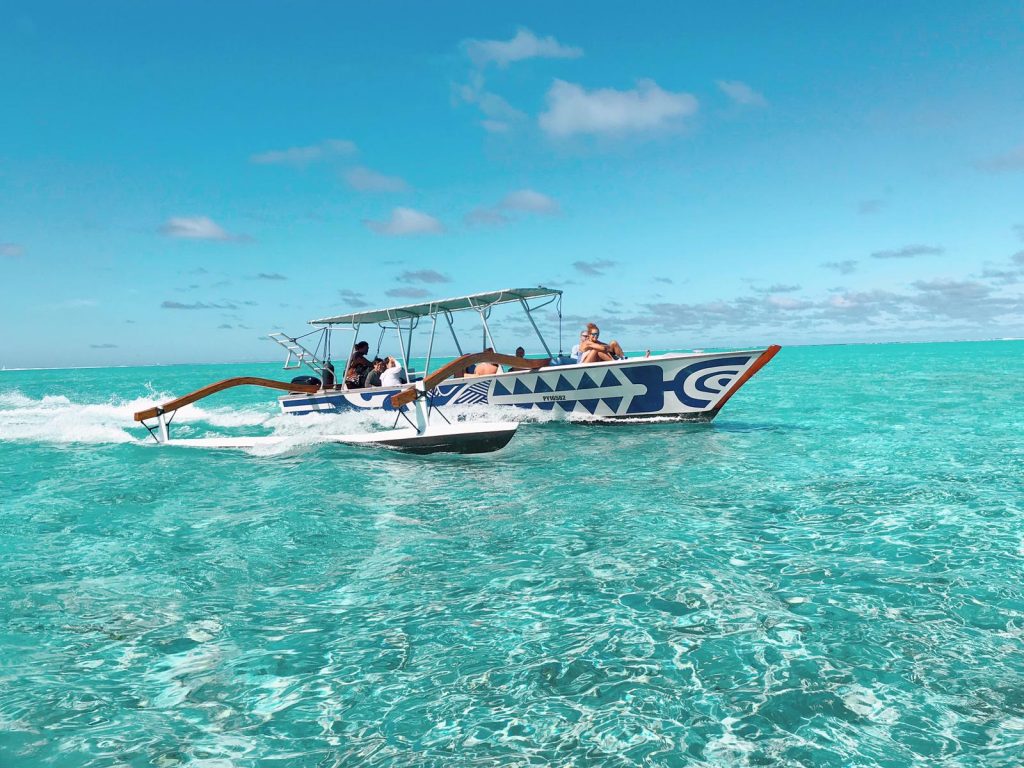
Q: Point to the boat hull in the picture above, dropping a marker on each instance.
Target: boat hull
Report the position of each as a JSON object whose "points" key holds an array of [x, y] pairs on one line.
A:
{"points": [[690, 387]]}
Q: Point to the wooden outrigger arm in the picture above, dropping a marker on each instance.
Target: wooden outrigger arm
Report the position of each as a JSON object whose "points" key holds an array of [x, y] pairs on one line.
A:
{"points": [[209, 389], [459, 364], [402, 398], [422, 438]]}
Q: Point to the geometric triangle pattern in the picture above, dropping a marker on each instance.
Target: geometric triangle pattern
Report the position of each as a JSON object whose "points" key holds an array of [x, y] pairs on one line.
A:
{"points": [[541, 386], [612, 402], [563, 385], [537, 389]]}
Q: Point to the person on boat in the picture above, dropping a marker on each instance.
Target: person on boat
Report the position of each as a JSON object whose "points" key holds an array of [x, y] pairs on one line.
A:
{"points": [[328, 375], [483, 369], [593, 351], [584, 336], [521, 354], [393, 374], [360, 360], [359, 364], [373, 377]]}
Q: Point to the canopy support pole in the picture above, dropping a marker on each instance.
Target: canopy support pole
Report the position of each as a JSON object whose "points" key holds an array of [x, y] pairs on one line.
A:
{"points": [[401, 344], [451, 326], [529, 316], [430, 346], [413, 323], [487, 332]]}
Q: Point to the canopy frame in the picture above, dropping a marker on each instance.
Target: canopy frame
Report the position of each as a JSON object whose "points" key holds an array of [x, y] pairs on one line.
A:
{"points": [[406, 319], [475, 301]]}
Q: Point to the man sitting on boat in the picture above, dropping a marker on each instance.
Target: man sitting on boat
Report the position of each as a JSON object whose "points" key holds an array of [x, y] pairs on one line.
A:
{"points": [[373, 377], [594, 351], [521, 354]]}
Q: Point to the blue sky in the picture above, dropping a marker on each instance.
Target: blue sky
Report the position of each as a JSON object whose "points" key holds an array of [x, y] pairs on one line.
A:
{"points": [[176, 180]]}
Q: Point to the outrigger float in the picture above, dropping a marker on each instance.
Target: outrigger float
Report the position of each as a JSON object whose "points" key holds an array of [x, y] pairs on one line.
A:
{"points": [[674, 386]]}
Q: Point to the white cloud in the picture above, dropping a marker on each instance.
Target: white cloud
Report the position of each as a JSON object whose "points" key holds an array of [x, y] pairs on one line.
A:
{"points": [[197, 228], [11, 250], [908, 252], [778, 288], [593, 268], [195, 305], [525, 45], [486, 217], [354, 298], [572, 109], [408, 293], [1013, 160], [519, 201], [788, 302], [844, 267], [423, 276], [741, 93], [302, 156], [499, 115], [529, 201], [406, 221], [367, 180]]}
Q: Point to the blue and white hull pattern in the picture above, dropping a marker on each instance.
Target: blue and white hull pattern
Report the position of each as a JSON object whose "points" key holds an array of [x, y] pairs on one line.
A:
{"points": [[680, 386]]}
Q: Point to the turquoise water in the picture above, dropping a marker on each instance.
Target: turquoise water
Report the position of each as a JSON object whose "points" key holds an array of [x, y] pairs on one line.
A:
{"points": [[829, 574]]}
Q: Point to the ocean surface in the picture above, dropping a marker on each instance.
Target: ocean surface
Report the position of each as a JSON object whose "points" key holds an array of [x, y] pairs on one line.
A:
{"points": [[830, 574]]}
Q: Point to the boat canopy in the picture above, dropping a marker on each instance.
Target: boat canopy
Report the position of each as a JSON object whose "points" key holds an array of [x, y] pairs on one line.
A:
{"points": [[476, 301]]}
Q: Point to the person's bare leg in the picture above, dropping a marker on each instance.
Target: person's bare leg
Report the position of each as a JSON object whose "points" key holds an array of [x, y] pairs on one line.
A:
{"points": [[615, 349]]}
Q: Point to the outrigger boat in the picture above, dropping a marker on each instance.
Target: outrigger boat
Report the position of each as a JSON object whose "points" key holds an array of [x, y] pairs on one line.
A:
{"points": [[675, 386], [414, 403]]}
